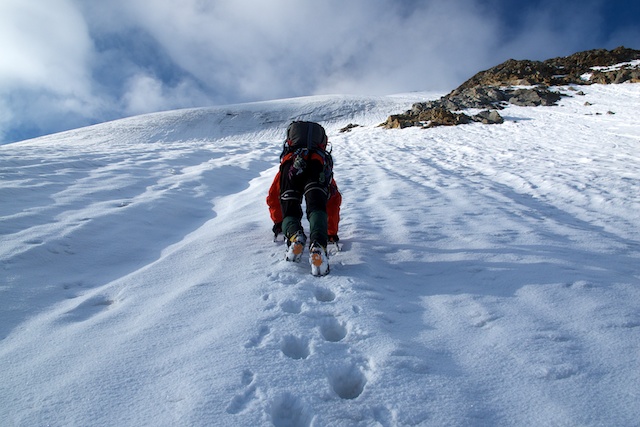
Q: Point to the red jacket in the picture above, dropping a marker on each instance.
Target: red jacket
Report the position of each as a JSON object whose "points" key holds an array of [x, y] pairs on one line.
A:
{"points": [[333, 205]]}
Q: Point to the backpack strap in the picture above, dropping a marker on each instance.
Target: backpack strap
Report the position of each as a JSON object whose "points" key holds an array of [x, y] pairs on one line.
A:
{"points": [[309, 136]]}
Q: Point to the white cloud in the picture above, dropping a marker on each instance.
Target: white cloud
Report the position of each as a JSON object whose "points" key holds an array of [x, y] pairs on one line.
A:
{"points": [[44, 44], [257, 50], [78, 60], [146, 93], [45, 75]]}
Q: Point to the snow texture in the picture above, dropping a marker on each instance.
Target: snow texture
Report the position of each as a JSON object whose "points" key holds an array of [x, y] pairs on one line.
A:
{"points": [[489, 274]]}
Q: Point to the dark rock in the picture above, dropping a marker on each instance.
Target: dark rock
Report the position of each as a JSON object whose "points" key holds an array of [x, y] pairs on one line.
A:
{"points": [[428, 118], [348, 128], [476, 97], [615, 76], [488, 117], [399, 121], [440, 116], [494, 88], [533, 97], [513, 73], [556, 71]]}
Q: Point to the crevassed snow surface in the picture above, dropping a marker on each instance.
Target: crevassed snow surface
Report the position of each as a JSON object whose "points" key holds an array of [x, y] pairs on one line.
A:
{"points": [[489, 274]]}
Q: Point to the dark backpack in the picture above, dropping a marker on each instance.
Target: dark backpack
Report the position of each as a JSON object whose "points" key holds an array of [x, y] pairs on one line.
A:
{"points": [[306, 138], [309, 136]]}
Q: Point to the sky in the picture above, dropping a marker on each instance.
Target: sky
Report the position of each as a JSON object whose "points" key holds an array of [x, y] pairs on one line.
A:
{"points": [[71, 63]]}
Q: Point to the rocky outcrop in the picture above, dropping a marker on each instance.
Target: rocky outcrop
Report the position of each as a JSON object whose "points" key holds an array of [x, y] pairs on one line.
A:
{"points": [[488, 117], [348, 128], [491, 98], [493, 89], [439, 116], [558, 71]]}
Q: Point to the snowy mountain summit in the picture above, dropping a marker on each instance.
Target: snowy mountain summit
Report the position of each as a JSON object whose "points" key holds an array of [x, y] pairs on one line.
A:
{"points": [[489, 275]]}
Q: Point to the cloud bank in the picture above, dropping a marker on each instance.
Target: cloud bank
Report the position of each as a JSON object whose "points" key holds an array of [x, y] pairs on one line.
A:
{"points": [[69, 63]]}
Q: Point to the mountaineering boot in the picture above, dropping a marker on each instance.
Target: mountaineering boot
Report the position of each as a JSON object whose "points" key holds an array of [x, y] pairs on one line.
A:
{"points": [[296, 247], [319, 260]]}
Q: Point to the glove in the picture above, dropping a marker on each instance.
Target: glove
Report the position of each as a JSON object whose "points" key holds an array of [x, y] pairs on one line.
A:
{"points": [[277, 228], [334, 238]]}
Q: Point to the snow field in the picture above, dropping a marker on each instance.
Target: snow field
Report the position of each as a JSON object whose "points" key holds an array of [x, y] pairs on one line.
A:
{"points": [[489, 273]]}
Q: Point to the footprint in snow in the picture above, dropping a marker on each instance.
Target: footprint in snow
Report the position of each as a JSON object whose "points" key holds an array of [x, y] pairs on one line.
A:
{"points": [[291, 306], [385, 416], [348, 382], [288, 410], [257, 340], [240, 401], [332, 329], [324, 294], [295, 347]]}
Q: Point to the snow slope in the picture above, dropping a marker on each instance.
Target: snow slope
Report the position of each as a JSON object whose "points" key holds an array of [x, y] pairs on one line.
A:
{"points": [[489, 275]]}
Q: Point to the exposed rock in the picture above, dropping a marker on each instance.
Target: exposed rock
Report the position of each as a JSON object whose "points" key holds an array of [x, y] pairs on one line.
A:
{"points": [[557, 71], [427, 118], [476, 97], [440, 116], [488, 117], [513, 73], [490, 97], [348, 128], [616, 76], [399, 121], [533, 97], [494, 88]]}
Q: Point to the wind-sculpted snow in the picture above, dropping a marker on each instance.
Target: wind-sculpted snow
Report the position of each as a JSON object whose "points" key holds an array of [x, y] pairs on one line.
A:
{"points": [[488, 274]]}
